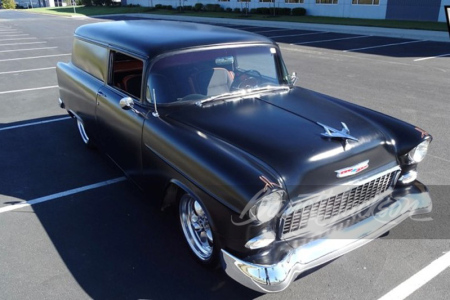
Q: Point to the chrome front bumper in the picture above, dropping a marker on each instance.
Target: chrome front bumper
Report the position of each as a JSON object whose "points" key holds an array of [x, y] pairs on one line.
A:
{"points": [[275, 278]]}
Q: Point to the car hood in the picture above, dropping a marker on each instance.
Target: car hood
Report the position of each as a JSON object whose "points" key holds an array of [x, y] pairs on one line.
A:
{"points": [[282, 130]]}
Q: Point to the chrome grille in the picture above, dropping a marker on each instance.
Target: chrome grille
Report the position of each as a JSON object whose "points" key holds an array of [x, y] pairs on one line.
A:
{"points": [[330, 209]]}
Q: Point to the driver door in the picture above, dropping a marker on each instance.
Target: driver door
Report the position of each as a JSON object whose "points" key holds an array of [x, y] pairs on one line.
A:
{"points": [[120, 129]]}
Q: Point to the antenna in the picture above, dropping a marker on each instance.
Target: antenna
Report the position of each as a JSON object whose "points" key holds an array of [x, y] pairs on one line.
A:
{"points": [[155, 113]]}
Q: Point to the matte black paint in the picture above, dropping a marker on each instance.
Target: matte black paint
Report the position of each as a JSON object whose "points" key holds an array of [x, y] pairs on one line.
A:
{"points": [[217, 153]]}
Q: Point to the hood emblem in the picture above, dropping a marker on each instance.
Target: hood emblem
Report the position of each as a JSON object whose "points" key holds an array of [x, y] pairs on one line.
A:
{"points": [[344, 133], [352, 170]]}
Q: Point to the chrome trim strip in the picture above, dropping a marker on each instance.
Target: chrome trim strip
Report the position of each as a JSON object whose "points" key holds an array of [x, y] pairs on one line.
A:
{"points": [[277, 277], [61, 103]]}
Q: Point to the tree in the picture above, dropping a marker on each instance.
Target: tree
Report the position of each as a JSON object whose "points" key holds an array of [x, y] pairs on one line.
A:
{"points": [[9, 4]]}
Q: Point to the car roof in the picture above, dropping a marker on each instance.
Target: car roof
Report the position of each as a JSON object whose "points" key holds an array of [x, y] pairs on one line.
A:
{"points": [[148, 38]]}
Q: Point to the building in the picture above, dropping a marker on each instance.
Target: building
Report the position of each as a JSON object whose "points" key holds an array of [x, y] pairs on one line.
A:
{"points": [[419, 10]]}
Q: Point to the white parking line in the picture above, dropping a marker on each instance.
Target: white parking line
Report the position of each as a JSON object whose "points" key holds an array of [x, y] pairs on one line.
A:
{"points": [[30, 43], [30, 70], [386, 45], [60, 195], [35, 123], [333, 40], [20, 58], [13, 35], [30, 49], [273, 30], [419, 279], [299, 34], [26, 90], [246, 27], [432, 57], [31, 38]]}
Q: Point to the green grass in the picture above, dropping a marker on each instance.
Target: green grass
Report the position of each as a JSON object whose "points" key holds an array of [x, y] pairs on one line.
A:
{"points": [[89, 11], [92, 11]]}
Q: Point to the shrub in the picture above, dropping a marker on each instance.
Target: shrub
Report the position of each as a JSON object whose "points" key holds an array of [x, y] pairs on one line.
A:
{"points": [[9, 4], [228, 9], [86, 2], [298, 11], [158, 6], [237, 10], [281, 11], [198, 6], [213, 7]]}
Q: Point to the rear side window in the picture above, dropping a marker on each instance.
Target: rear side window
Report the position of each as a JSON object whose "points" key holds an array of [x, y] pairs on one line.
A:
{"points": [[91, 58], [126, 73]]}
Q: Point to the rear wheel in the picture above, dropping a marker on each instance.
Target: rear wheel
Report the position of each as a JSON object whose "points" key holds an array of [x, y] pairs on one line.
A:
{"points": [[197, 231]]}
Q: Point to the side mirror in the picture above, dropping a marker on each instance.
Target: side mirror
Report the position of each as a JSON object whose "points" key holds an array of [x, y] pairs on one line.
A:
{"points": [[293, 78], [126, 103]]}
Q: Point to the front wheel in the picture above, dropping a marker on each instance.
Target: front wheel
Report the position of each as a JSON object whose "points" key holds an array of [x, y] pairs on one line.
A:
{"points": [[197, 231]]}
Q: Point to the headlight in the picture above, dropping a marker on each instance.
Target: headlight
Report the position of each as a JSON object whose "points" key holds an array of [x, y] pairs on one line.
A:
{"points": [[417, 154], [268, 206]]}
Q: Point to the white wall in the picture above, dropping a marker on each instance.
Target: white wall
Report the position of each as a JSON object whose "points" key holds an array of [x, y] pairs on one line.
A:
{"points": [[344, 8]]}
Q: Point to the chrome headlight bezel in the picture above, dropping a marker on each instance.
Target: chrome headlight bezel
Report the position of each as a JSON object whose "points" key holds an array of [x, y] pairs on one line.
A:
{"points": [[268, 206], [418, 153]]}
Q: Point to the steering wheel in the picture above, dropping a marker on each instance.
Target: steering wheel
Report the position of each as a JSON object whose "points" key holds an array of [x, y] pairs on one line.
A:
{"points": [[248, 79]]}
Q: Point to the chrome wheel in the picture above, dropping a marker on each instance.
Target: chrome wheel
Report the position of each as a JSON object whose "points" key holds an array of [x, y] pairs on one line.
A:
{"points": [[196, 228], [83, 133]]}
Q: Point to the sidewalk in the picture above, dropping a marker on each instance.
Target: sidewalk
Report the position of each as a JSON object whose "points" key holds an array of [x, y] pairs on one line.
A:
{"points": [[439, 36]]}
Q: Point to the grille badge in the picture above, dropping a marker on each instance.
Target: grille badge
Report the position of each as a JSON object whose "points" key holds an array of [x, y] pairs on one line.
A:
{"points": [[349, 171]]}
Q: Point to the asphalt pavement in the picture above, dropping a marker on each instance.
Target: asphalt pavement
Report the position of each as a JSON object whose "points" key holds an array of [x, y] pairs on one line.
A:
{"points": [[90, 234]]}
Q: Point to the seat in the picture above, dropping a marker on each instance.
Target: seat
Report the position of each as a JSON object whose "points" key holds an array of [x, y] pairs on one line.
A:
{"points": [[132, 84], [212, 82]]}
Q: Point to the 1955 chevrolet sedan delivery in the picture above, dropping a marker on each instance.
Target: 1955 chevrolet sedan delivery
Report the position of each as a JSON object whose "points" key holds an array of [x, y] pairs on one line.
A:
{"points": [[268, 179]]}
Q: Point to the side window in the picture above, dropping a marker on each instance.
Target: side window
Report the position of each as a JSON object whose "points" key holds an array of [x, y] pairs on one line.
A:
{"points": [[126, 73], [91, 58]]}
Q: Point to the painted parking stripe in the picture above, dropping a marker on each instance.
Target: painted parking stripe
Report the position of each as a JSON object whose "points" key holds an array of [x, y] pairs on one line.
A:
{"points": [[246, 27], [34, 57], [27, 90], [14, 35], [432, 57], [61, 194], [35, 123], [419, 279], [299, 34], [333, 40], [30, 70], [272, 30], [30, 49], [30, 38], [30, 43], [386, 45]]}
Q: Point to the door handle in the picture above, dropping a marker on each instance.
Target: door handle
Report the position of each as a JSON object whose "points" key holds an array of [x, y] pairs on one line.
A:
{"points": [[102, 94]]}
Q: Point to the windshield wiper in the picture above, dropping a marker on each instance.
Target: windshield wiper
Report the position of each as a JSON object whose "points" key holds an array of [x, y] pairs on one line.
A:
{"points": [[244, 93]]}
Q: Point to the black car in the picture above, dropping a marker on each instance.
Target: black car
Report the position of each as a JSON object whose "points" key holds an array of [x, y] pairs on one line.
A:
{"points": [[268, 178]]}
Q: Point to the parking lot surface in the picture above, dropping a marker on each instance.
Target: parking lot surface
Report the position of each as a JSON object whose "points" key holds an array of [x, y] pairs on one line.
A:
{"points": [[72, 227]]}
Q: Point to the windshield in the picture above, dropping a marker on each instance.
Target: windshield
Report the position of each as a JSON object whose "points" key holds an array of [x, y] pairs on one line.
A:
{"points": [[198, 75]]}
